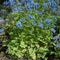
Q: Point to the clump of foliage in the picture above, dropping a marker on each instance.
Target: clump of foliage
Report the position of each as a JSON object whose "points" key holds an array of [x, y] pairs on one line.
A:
{"points": [[30, 29]]}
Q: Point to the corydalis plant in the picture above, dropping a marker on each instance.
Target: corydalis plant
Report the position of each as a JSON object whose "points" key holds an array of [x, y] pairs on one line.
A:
{"points": [[30, 32]]}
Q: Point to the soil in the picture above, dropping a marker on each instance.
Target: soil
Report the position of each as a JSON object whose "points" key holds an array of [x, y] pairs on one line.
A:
{"points": [[3, 57]]}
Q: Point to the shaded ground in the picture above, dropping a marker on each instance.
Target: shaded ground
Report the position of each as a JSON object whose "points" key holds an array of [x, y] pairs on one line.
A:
{"points": [[3, 57]]}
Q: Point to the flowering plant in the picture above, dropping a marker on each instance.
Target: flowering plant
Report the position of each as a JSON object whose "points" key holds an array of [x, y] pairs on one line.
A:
{"points": [[30, 29]]}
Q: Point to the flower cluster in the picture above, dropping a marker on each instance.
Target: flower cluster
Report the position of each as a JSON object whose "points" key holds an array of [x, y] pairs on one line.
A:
{"points": [[31, 5], [57, 40], [19, 24], [26, 5], [56, 37]]}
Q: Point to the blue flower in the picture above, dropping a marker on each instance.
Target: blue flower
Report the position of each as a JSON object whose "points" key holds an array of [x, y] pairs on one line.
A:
{"points": [[53, 10], [23, 19], [32, 4], [1, 31], [57, 45], [56, 37], [45, 5], [54, 18], [23, 1], [14, 9], [53, 30], [18, 3], [47, 20], [1, 20], [53, 4], [40, 24], [11, 2], [6, 3], [29, 1], [58, 13], [20, 9], [49, 3], [40, 13], [30, 16], [18, 24], [28, 7], [33, 23], [37, 5]]}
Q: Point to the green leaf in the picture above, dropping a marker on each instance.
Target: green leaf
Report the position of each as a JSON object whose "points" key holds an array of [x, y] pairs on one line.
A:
{"points": [[23, 45]]}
